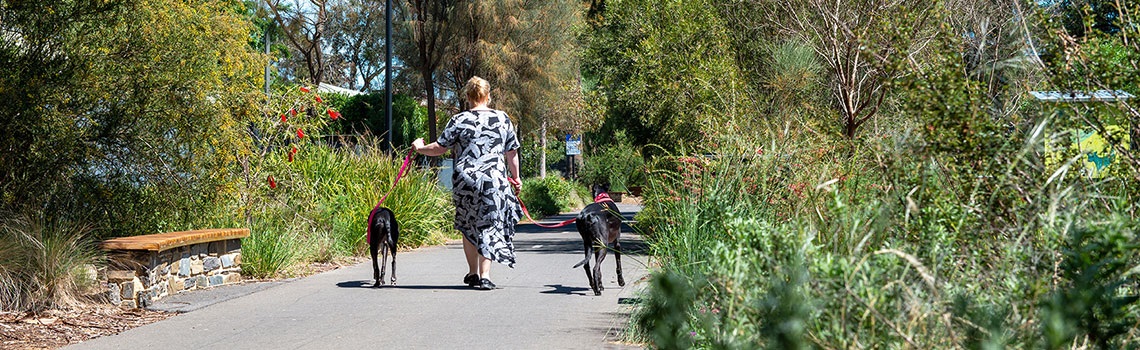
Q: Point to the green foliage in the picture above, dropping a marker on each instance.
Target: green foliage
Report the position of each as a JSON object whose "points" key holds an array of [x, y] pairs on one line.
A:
{"points": [[365, 114], [665, 69], [666, 312], [946, 232], [617, 165], [120, 113], [322, 200], [549, 196], [530, 158], [45, 263], [271, 248], [1098, 298]]}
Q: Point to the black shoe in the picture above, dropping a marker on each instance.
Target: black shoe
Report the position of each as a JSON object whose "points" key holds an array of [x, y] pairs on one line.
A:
{"points": [[471, 280], [485, 284]]}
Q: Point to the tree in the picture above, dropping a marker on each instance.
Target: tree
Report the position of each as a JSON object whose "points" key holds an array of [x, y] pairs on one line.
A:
{"points": [[665, 71], [304, 26], [864, 44], [356, 36], [1081, 16], [427, 31], [129, 115], [40, 145], [996, 40], [528, 50]]}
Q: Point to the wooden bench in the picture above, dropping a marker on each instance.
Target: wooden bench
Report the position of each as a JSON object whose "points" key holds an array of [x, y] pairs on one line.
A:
{"points": [[146, 268]]}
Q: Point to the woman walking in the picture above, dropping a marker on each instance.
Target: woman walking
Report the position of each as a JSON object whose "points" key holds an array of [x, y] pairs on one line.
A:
{"points": [[485, 148]]}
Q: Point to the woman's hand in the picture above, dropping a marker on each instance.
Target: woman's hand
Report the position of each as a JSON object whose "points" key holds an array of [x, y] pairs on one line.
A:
{"points": [[515, 184], [418, 144]]}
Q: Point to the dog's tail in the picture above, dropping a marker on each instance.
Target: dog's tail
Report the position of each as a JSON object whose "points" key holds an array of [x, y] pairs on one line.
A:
{"points": [[580, 263]]}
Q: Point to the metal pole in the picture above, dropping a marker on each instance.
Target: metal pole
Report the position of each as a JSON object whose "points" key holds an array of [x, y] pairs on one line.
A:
{"points": [[388, 68]]}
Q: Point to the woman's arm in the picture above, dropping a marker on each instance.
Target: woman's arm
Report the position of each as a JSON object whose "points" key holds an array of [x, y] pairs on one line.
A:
{"points": [[512, 158], [431, 150], [513, 162]]}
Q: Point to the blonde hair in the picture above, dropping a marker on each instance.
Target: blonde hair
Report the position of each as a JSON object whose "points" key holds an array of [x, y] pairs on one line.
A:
{"points": [[477, 90]]}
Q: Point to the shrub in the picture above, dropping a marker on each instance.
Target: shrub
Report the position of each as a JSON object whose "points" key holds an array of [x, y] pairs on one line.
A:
{"points": [[615, 165], [45, 264], [1096, 297], [550, 196], [322, 200], [364, 114], [271, 248]]}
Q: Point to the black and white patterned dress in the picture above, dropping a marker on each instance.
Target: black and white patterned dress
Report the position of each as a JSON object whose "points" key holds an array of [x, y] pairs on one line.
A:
{"points": [[486, 209]]}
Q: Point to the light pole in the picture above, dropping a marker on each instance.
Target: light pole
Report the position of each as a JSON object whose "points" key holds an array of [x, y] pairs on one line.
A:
{"points": [[388, 69]]}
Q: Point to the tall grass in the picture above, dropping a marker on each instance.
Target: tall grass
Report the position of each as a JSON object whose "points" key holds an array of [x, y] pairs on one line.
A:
{"points": [[318, 211], [818, 245], [45, 264], [271, 249]]}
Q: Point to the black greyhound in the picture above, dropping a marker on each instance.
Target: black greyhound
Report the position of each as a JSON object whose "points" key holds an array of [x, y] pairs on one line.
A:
{"points": [[383, 231], [600, 226]]}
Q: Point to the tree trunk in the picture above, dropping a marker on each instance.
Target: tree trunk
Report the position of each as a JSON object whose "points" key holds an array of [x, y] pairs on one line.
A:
{"points": [[429, 88], [542, 151]]}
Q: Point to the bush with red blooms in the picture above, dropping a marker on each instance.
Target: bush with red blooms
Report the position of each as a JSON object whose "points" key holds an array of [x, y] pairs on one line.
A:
{"points": [[293, 115]]}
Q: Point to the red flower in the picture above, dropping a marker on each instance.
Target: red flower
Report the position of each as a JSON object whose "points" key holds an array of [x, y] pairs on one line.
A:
{"points": [[282, 118], [293, 111], [272, 183], [294, 150], [319, 100], [290, 157], [300, 134], [334, 114], [304, 89], [760, 151]]}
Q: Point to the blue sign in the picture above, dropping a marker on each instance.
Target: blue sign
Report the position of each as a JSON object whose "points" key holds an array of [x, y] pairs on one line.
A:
{"points": [[572, 145]]}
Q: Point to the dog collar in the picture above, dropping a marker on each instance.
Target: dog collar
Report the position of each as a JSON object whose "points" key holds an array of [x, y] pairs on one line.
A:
{"points": [[602, 197]]}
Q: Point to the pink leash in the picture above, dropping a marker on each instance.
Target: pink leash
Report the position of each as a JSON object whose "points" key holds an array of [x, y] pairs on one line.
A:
{"points": [[400, 174], [602, 197]]}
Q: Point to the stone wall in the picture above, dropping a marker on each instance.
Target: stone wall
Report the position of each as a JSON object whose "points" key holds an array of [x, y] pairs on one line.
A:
{"points": [[135, 278]]}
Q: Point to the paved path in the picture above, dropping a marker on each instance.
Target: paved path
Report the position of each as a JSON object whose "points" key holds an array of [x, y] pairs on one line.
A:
{"points": [[542, 304]]}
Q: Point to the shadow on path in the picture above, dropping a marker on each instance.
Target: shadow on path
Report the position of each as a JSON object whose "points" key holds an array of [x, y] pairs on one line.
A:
{"points": [[368, 285], [630, 245], [561, 289]]}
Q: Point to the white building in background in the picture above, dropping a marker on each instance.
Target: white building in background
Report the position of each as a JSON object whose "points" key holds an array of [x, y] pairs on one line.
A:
{"points": [[328, 88]]}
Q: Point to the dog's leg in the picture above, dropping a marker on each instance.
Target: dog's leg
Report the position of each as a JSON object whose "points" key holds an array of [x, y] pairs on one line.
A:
{"points": [[586, 266], [393, 242], [617, 258], [393, 247], [383, 262], [372, 249], [599, 256]]}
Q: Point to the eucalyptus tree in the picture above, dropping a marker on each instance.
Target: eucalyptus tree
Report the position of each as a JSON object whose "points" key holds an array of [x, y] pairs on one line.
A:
{"points": [[356, 42], [864, 44], [304, 24], [425, 36], [529, 51]]}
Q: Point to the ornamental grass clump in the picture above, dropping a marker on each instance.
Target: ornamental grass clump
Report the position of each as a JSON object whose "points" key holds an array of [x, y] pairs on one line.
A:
{"points": [[45, 264], [895, 254], [321, 203]]}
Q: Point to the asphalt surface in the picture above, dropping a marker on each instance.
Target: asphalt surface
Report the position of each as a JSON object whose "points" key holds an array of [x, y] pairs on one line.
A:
{"points": [[543, 303]]}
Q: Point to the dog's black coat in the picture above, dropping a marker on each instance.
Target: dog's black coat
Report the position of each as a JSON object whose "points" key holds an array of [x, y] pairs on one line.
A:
{"points": [[383, 232], [600, 227]]}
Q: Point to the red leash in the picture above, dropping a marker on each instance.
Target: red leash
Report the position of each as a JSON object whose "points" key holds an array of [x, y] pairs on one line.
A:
{"points": [[600, 198], [560, 224], [400, 174]]}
